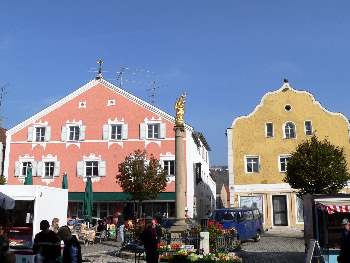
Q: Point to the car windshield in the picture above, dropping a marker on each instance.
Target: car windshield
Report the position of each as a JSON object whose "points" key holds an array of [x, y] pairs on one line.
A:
{"points": [[226, 215]]}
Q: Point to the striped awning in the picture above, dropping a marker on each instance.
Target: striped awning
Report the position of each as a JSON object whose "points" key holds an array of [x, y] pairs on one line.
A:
{"points": [[331, 209]]}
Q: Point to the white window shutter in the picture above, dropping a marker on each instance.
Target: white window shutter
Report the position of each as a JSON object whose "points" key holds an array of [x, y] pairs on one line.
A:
{"points": [[102, 168], [56, 171], [80, 168], [40, 169], [64, 133], [143, 129], [30, 134], [106, 132], [17, 168], [125, 131], [47, 133], [34, 168], [82, 132], [162, 131]]}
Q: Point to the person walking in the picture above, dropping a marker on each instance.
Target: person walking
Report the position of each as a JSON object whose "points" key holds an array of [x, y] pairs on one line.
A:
{"points": [[151, 239], [344, 256], [47, 246], [72, 249]]}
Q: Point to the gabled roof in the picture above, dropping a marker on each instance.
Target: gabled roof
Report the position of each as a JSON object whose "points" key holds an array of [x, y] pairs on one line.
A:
{"points": [[285, 87], [85, 88], [197, 137]]}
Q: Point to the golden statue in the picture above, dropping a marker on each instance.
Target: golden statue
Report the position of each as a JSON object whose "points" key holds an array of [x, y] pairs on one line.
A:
{"points": [[180, 110]]}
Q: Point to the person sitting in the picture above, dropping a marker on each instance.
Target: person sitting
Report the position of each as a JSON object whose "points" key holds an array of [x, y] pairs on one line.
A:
{"points": [[47, 246], [72, 249]]}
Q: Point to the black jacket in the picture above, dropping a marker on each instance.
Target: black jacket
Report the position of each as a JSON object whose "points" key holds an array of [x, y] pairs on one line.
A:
{"points": [[72, 251]]}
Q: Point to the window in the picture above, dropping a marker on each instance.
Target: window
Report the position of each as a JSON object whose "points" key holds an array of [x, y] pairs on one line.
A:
{"points": [[116, 132], [252, 164], [289, 130], [74, 132], [49, 169], [169, 167], [308, 128], [25, 167], [300, 209], [39, 134], [91, 168], [269, 129], [283, 160], [153, 131]]}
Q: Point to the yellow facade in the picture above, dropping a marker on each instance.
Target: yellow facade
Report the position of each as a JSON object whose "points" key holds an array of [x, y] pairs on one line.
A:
{"points": [[247, 137]]}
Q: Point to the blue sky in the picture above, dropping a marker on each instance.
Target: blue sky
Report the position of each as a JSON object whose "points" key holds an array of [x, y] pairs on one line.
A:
{"points": [[225, 54]]}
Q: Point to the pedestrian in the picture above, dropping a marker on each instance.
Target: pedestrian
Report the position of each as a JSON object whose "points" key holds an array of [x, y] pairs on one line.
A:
{"points": [[72, 249], [344, 256], [151, 239], [47, 246], [55, 225]]}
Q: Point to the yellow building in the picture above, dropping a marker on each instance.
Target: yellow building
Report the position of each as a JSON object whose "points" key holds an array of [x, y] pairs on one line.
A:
{"points": [[260, 144]]}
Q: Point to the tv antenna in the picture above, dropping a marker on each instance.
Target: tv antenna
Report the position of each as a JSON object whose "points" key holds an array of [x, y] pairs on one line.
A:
{"points": [[99, 70], [120, 75], [153, 92]]}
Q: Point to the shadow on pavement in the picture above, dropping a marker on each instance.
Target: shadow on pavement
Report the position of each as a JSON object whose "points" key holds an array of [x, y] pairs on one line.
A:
{"points": [[272, 257]]}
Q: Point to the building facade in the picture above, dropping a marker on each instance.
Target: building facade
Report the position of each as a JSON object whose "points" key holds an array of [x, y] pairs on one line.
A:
{"points": [[260, 144], [88, 133]]}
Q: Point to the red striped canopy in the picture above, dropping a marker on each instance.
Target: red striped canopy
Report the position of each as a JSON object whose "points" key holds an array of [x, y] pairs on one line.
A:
{"points": [[331, 209]]}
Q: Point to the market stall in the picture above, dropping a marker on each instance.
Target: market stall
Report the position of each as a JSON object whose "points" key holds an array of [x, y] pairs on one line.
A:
{"points": [[322, 223]]}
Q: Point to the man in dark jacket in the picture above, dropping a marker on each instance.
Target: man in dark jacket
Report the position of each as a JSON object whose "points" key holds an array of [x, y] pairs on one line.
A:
{"points": [[72, 249], [47, 246], [151, 239]]}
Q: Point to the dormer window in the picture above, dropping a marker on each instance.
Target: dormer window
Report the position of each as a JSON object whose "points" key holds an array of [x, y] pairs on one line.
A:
{"points": [[289, 130]]}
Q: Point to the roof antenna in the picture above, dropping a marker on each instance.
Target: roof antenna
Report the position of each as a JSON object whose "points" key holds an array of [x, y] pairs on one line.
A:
{"points": [[99, 72], [285, 80], [120, 75], [152, 91]]}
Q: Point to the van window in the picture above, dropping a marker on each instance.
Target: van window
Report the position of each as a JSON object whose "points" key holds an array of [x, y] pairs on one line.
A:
{"points": [[248, 215], [256, 214], [228, 216]]}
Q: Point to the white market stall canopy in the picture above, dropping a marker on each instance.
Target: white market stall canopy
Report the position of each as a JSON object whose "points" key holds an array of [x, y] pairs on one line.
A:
{"points": [[6, 202], [334, 205]]}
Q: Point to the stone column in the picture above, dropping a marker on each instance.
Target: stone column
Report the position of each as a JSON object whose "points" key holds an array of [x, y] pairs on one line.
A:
{"points": [[180, 179]]}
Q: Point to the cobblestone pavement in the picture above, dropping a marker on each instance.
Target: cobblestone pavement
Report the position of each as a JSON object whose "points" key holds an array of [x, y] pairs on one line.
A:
{"points": [[282, 246], [105, 253]]}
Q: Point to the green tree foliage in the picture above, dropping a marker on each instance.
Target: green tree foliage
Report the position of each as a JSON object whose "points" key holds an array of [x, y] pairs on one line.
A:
{"points": [[143, 178], [2, 180], [317, 167]]}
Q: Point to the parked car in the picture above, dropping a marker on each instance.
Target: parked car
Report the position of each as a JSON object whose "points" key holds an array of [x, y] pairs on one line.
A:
{"points": [[246, 221]]}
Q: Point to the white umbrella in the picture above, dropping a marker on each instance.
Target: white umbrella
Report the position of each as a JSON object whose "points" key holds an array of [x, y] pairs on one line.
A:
{"points": [[6, 202]]}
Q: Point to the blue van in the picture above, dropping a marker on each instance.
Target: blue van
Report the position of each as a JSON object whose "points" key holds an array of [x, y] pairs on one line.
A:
{"points": [[246, 221]]}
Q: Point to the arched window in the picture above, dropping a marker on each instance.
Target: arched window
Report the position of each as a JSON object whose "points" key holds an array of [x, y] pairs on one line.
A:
{"points": [[289, 130]]}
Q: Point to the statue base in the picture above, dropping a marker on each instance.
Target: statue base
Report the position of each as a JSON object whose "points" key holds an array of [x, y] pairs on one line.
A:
{"points": [[179, 226]]}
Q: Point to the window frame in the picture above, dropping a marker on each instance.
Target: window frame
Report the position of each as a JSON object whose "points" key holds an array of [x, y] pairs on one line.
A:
{"points": [[91, 167], [266, 134], [42, 136], [117, 125], [311, 131], [246, 163], [168, 169], [153, 124], [284, 130], [69, 132], [22, 167], [279, 162], [53, 169]]}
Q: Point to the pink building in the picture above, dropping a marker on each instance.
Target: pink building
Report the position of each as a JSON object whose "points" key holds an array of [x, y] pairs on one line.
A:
{"points": [[88, 133]]}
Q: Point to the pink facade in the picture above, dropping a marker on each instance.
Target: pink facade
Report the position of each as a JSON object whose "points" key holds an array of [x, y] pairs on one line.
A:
{"points": [[94, 106]]}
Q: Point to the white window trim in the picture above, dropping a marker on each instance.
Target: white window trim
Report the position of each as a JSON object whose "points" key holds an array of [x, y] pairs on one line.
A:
{"points": [[22, 160], [279, 161], [284, 131], [312, 128], [291, 108], [46, 159], [92, 158], [110, 131], [245, 163], [273, 130], [98, 164], [68, 125], [34, 132], [150, 123], [296, 211]]}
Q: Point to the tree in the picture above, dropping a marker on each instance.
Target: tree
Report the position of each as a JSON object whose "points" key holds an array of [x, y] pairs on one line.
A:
{"points": [[317, 167], [143, 178]]}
